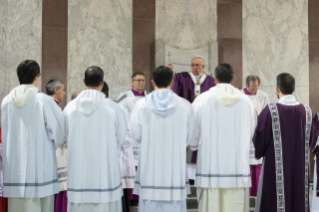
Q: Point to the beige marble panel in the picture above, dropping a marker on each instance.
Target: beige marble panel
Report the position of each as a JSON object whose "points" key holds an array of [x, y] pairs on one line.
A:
{"points": [[187, 24], [20, 39], [100, 34], [275, 40]]}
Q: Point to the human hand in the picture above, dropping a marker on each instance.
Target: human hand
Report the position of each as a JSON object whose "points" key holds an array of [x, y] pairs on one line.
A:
{"points": [[170, 65]]}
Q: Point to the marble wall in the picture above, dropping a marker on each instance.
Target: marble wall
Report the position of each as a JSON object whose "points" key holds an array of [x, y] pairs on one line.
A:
{"points": [[20, 39], [186, 29], [100, 34], [275, 40]]}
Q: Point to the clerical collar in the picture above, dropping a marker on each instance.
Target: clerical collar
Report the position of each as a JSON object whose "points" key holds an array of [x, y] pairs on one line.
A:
{"points": [[199, 76], [56, 101], [288, 100], [248, 93], [138, 93]]}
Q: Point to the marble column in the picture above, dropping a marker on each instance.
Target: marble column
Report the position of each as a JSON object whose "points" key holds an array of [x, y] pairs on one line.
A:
{"points": [[186, 29], [275, 40], [20, 39], [100, 34]]}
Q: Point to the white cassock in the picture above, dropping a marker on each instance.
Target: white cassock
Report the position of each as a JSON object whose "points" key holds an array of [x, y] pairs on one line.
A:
{"points": [[260, 101], [95, 131], [129, 103], [163, 123], [32, 129], [224, 130]]}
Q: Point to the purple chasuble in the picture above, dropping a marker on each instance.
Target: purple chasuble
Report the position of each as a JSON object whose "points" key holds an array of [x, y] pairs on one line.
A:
{"points": [[137, 93], [293, 147], [314, 147], [184, 87]]}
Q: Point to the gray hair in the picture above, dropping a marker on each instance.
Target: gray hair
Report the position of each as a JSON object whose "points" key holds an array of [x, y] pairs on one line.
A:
{"points": [[199, 58], [51, 85]]}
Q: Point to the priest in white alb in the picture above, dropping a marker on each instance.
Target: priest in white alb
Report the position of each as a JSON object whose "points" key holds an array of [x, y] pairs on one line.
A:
{"points": [[95, 132], [163, 123], [128, 100], [32, 129], [260, 101], [225, 122]]}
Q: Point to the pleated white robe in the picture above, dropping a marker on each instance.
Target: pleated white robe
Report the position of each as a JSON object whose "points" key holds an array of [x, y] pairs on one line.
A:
{"points": [[96, 128], [32, 129], [161, 174], [129, 103]]}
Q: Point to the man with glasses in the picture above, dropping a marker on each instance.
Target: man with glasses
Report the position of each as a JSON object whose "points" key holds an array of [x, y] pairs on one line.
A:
{"points": [[129, 99], [189, 85]]}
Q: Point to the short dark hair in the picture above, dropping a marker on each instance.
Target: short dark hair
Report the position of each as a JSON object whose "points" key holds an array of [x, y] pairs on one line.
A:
{"points": [[51, 85], [162, 76], [93, 76], [137, 73], [27, 71], [252, 78], [224, 73], [105, 89], [286, 83]]}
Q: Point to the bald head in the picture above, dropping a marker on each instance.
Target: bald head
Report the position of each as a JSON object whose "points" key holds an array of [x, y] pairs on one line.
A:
{"points": [[75, 94]]}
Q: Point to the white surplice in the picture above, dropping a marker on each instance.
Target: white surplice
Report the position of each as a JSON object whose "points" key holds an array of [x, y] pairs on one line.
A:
{"points": [[260, 101], [224, 129], [126, 159], [32, 129], [129, 103], [96, 128], [163, 123]]}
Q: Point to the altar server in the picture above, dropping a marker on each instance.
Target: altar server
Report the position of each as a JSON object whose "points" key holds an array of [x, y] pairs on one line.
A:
{"points": [[283, 137], [225, 125], [260, 101], [189, 85], [163, 123], [95, 132], [32, 129], [55, 89]]}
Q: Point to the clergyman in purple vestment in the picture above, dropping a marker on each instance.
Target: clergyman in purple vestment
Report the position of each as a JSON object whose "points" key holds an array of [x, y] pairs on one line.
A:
{"points": [[191, 84], [282, 137]]}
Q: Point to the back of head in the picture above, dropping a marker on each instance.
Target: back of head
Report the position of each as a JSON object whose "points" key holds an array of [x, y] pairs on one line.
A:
{"points": [[224, 73], [286, 83], [75, 94], [27, 71], [105, 89], [51, 85], [93, 76], [162, 76]]}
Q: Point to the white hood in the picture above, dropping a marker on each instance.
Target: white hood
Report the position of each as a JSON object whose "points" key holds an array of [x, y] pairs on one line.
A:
{"points": [[162, 101], [226, 93], [88, 100], [22, 95]]}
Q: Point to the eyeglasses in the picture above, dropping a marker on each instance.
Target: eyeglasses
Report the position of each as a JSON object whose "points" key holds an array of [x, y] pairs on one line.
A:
{"points": [[195, 65], [139, 80]]}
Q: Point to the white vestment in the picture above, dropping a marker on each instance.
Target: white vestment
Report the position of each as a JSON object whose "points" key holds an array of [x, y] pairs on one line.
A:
{"points": [[224, 129], [129, 103], [32, 129], [260, 101], [61, 156], [163, 123], [315, 199], [95, 131]]}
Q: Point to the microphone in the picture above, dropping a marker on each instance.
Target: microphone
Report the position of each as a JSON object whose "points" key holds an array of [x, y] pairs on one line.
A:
{"points": [[122, 97]]}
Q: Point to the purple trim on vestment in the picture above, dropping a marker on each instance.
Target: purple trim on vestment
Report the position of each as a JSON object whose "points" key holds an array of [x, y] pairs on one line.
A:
{"points": [[56, 101], [247, 92], [137, 93]]}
